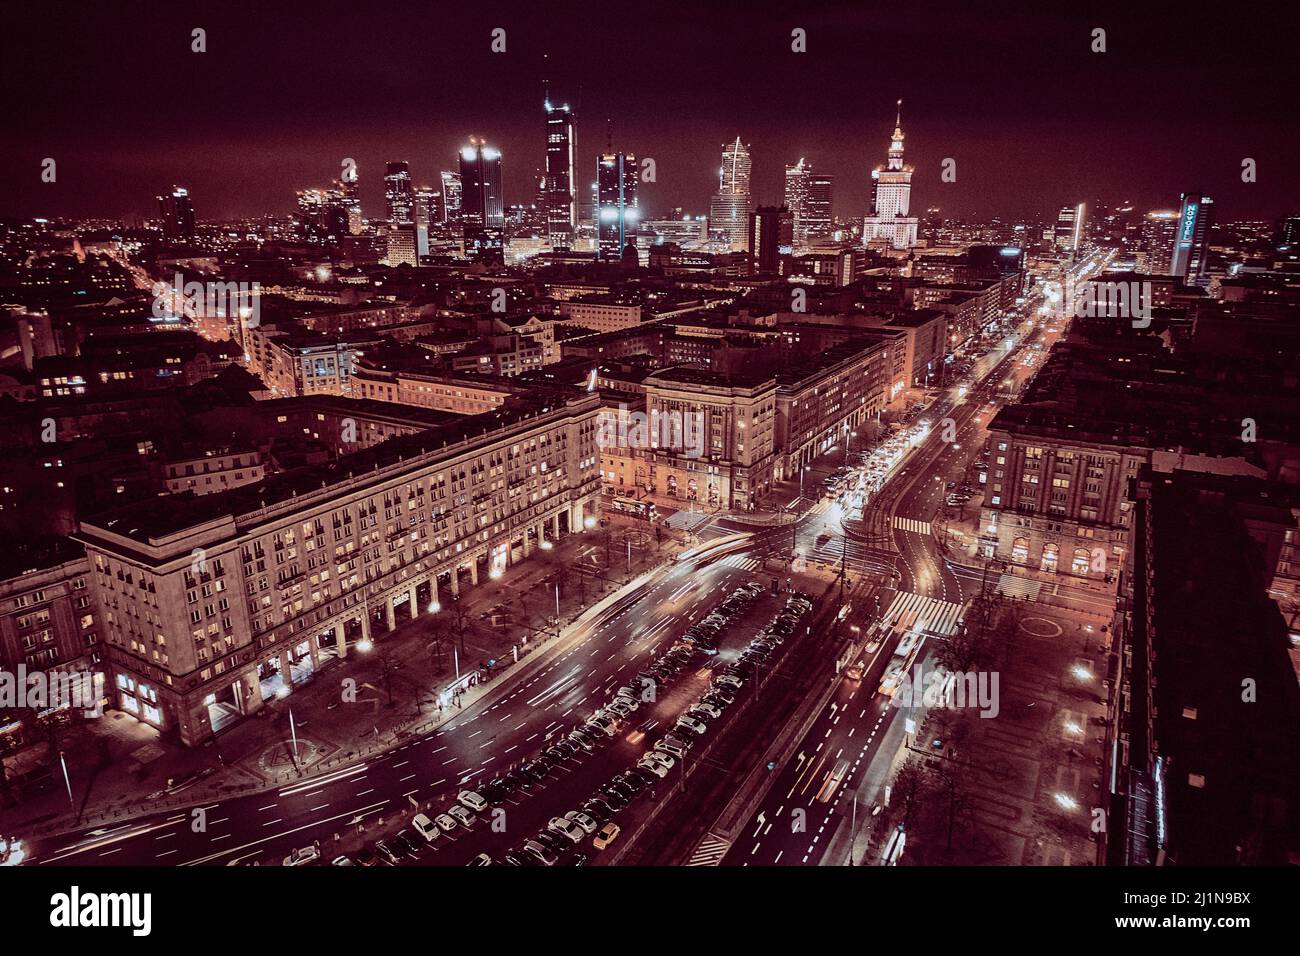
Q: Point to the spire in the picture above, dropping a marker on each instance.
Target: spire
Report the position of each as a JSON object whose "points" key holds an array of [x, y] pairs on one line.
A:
{"points": [[898, 120]]}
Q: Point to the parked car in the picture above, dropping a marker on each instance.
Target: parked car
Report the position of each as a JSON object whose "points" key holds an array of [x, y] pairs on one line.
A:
{"points": [[588, 823], [446, 823], [607, 835], [482, 859], [303, 855], [425, 827], [566, 828], [657, 763], [472, 800], [705, 711], [691, 725], [385, 852], [540, 853], [463, 816], [673, 745]]}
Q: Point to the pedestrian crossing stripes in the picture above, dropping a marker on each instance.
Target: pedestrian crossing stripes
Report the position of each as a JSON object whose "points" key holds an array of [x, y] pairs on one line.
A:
{"points": [[1013, 586], [929, 614], [710, 852], [911, 524], [740, 562]]}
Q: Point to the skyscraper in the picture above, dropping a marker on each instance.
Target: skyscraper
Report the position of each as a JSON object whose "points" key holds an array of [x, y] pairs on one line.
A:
{"points": [[1158, 232], [482, 207], [1069, 228], [796, 196], [397, 192], [617, 213], [891, 189], [451, 190], [426, 215], [177, 214], [731, 205], [560, 195], [817, 220], [771, 234], [1191, 244]]}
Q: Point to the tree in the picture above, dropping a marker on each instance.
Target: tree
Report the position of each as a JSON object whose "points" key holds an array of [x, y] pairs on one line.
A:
{"points": [[461, 624], [950, 782], [437, 646]]}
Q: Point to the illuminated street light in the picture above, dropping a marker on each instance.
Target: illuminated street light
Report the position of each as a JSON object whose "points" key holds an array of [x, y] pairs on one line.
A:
{"points": [[546, 545], [365, 646], [1066, 802], [1081, 672]]}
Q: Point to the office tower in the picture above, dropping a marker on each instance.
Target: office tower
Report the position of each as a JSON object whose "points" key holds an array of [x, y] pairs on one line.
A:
{"points": [[796, 196], [482, 207], [351, 192], [1191, 244], [618, 216], [771, 234], [402, 244], [177, 214], [817, 222], [323, 213], [397, 191], [731, 205], [450, 197], [891, 190], [1069, 228], [560, 198], [1158, 232], [426, 215]]}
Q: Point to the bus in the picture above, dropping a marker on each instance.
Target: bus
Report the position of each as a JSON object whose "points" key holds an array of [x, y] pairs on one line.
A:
{"points": [[904, 656], [833, 781]]}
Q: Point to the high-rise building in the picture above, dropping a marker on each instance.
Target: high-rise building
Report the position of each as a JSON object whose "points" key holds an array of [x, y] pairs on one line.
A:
{"points": [[771, 235], [323, 213], [1069, 228], [426, 214], [398, 193], [796, 196], [891, 190], [402, 244], [482, 207], [451, 189], [558, 189], [350, 189], [817, 221], [731, 205], [617, 214], [1158, 232], [1191, 243], [177, 214]]}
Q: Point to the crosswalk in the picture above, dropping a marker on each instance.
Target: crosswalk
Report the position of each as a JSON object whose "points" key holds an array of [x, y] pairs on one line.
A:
{"points": [[710, 852], [911, 524], [860, 558], [740, 562], [1013, 586], [929, 614]]}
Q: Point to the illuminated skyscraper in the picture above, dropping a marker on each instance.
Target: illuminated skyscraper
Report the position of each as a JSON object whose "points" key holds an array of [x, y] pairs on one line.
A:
{"points": [[397, 192], [796, 196], [558, 190], [482, 207], [1069, 228], [177, 214], [450, 197], [771, 235], [731, 205], [817, 220], [617, 215], [426, 214], [891, 189], [1158, 232], [1191, 244]]}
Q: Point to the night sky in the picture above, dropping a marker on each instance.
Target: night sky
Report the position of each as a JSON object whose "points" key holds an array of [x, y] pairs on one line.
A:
{"points": [[1011, 91]]}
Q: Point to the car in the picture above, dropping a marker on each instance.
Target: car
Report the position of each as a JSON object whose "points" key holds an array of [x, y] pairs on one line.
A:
{"points": [[641, 773], [673, 745], [532, 771], [582, 740], [550, 840], [516, 858], [738, 669], [425, 827], [588, 823], [566, 828], [631, 781], [614, 797], [472, 800], [542, 762], [730, 681], [555, 755], [598, 809], [601, 725], [769, 643], [707, 710], [724, 694], [446, 823], [564, 748], [366, 857], [691, 725], [657, 763], [540, 853], [303, 855], [516, 781], [464, 816], [342, 860], [619, 709], [756, 651], [619, 786], [482, 859], [496, 791], [607, 835], [385, 852], [402, 846]]}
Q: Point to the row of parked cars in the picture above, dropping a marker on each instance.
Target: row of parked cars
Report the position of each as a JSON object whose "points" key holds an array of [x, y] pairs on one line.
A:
{"points": [[707, 633]]}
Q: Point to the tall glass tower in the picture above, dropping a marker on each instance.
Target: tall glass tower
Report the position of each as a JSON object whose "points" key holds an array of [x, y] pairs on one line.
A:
{"points": [[559, 194], [617, 214]]}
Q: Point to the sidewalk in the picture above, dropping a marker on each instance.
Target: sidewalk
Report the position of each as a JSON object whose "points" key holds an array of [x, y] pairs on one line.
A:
{"points": [[120, 767]]}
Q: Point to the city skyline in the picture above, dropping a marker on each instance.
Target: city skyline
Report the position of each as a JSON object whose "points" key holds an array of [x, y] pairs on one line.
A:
{"points": [[247, 154]]}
